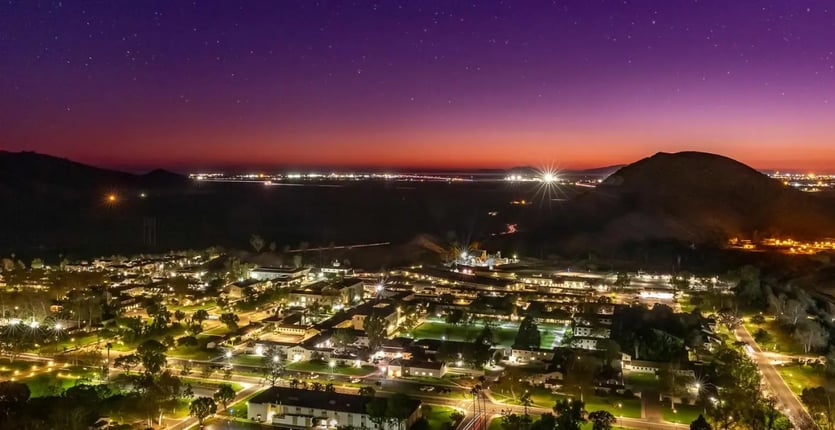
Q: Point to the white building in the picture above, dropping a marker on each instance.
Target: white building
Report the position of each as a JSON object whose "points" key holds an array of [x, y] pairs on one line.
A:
{"points": [[402, 367], [306, 409], [524, 355]]}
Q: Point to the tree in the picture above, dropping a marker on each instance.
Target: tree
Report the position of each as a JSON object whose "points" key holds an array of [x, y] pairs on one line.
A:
{"points": [[377, 410], [601, 420], [152, 355], [512, 421], [375, 329], [794, 312], [200, 315], [188, 341], [819, 403], [273, 365], [224, 394], [169, 341], [398, 408], [569, 414], [528, 335], [811, 334], [623, 280], [343, 337], [367, 392], [194, 330], [546, 422], [201, 408], [526, 401], [231, 320], [257, 243], [179, 315], [761, 336], [127, 362], [456, 416], [730, 319], [700, 424], [13, 397]]}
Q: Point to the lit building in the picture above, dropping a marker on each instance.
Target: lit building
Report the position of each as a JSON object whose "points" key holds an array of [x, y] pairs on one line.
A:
{"points": [[305, 409]]}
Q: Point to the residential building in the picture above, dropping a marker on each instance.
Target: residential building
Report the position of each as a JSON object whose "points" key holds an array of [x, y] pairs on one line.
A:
{"points": [[305, 409]]}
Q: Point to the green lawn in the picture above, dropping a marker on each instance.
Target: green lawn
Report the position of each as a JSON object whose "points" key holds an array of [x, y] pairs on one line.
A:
{"points": [[683, 414], [799, 377], [59, 379], [248, 360], [616, 405], [438, 417], [195, 381], [439, 330], [321, 367], [220, 330], [640, 382], [548, 335], [194, 353], [782, 340]]}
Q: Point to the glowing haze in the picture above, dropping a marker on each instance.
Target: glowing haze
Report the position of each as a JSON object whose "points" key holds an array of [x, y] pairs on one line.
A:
{"points": [[417, 83]]}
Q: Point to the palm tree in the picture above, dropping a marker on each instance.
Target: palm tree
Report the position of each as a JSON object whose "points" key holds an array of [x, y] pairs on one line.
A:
{"points": [[526, 401]]}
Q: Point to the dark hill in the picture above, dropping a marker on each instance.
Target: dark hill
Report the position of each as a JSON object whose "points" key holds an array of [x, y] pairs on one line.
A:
{"points": [[694, 197], [27, 171]]}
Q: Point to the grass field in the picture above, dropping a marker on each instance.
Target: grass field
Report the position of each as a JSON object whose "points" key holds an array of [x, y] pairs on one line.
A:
{"points": [[194, 353], [504, 334], [782, 340], [248, 360], [683, 414], [616, 405], [799, 377], [319, 367], [46, 383], [438, 417], [640, 382]]}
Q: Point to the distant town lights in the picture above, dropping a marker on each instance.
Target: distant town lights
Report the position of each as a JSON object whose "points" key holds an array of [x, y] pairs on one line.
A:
{"points": [[549, 177]]}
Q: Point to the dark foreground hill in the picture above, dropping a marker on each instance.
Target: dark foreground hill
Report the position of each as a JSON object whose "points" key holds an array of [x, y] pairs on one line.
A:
{"points": [[691, 197], [31, 171]]}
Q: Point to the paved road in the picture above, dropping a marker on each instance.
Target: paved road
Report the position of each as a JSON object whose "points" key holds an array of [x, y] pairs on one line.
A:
{"points": [[781, 391]]}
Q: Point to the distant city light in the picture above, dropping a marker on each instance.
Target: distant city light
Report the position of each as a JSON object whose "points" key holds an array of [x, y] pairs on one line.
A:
{"points": [[549, 177]]}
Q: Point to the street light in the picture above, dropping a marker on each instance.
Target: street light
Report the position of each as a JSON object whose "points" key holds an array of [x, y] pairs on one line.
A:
{"points": [[331, 364]]}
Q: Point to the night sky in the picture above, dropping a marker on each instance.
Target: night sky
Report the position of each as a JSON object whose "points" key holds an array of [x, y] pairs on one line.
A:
{"points": [[182, 85]]}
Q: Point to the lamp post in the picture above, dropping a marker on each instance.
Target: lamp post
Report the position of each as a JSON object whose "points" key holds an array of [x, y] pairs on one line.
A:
{"points": [[331, 364]]}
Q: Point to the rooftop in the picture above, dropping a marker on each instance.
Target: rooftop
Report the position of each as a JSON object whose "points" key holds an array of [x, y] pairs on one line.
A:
{"points": [[318, 399]]}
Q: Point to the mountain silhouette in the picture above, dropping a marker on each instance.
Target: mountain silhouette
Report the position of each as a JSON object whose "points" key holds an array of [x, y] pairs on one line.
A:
{"points": [[695, 197]]}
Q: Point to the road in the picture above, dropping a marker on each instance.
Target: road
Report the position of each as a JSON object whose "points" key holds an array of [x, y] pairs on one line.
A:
{"points": [[779, 389]]}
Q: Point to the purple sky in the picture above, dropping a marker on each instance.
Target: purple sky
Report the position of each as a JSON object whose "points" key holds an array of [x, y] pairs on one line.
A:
{"points": [[418, 83]]}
